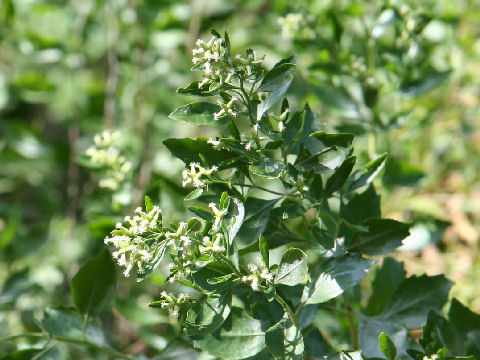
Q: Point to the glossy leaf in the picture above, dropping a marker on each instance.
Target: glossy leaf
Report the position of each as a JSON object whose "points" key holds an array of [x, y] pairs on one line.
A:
{"points": [[93, 286], [293, 268], [208, 314], [200, 113], [332, 277], [277, 78], [239, 337], [387, 347]]}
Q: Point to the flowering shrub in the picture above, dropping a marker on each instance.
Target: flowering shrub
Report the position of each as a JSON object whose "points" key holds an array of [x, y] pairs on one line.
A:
{"points": [[286, 224]]}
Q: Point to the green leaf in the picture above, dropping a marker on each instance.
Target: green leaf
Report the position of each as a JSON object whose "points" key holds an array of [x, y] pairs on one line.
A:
{"points": [[336, 181], [439, 334], [67, 324], [284, 340], [158, 251], [425, 84], [263, 247], [401, 173], [234, 219], [213, 270], [257, 215], [195, 194], [193, 89], [17, 284], [468, 323], [188, 150], [387, 346], [93, 286], [329, 140], [387, 279], [315, 344], [208, 314], [201, 212], [277, 77], [267, 168], [363, 206], [148, 203], [293, 268], [239, 337], [294, 127], [383, 236], [368, 173], [333, 276], [200, 113]]}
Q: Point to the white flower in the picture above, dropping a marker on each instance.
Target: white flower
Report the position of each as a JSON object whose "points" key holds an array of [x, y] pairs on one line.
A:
{"points": [[254, 284]]}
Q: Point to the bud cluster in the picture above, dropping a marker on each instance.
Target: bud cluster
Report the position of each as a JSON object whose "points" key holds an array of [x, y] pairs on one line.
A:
{"points": [[256, 277], [195, 175], [108, 159]]}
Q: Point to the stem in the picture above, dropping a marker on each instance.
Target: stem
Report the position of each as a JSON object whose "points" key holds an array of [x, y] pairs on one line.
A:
{"points": [[351, 320], [13, 337], [260, 188], [287, 309], [247, 101]]}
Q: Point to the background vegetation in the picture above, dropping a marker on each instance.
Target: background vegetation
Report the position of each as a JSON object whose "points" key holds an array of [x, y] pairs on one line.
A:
{"points": [[406, 83]]}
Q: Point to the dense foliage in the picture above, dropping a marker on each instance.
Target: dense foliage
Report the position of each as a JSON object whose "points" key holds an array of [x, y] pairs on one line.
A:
{"points": [[281, 220]]}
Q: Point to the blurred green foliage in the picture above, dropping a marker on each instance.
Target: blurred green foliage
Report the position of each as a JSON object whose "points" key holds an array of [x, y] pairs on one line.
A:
{"points": [[405, 79]]}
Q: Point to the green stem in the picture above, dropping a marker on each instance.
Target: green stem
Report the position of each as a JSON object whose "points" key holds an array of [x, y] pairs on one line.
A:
{"points": [[351, 321], [260, 188], [13, 337], [287, 309]]}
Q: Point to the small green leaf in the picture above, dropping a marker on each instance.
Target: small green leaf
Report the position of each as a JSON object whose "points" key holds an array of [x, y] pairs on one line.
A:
{"points": [[200, 113], [93, 286], [332, 277], [293, 268], [208, 314], [194, 89], [195, 194], [329, 140], [267, 168], [336, 181], [201, 212], [148, 203], [387, 346], [368, 173], [263, 247], [277, 78], [239, 337]]}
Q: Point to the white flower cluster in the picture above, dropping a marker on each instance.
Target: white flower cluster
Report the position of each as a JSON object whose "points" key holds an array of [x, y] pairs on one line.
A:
{"points": [[195, 175], [296, 26], [226, 109], [107, 157], [257, 277], [172, 303], [210, 57], [129, 239], [218, 214]]}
